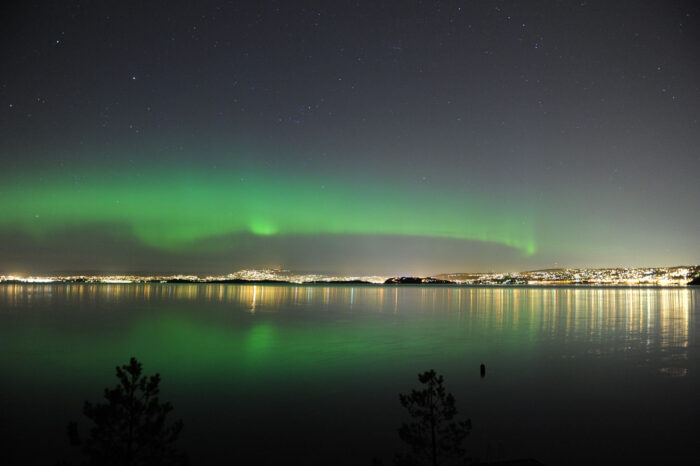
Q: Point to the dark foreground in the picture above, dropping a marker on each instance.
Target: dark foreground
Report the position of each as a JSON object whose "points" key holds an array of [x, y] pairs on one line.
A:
{"points": [[311, 375]]}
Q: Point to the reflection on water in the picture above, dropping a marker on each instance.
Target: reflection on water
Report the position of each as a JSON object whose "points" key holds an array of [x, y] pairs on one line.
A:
{"points": [[628, 317], [326, 363]]}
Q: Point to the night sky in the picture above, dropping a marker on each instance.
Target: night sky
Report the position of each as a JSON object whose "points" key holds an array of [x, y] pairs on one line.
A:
{"points": [[351, 137]]}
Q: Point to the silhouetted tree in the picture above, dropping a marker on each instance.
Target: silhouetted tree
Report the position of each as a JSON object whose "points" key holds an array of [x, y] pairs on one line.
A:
{"points": [[432, 435], [130, 428]]}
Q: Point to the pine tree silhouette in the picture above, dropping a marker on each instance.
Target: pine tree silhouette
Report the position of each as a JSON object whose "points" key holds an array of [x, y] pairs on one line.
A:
{"points": [[130, 428], [432, 435]]}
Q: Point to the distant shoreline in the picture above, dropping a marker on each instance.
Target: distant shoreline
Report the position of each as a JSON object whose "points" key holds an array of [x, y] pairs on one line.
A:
{"points": [[357, 283], [645, 277]]}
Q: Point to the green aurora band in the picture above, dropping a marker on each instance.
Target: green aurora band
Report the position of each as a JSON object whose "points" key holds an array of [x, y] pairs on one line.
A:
{"points": [[179, 210]]}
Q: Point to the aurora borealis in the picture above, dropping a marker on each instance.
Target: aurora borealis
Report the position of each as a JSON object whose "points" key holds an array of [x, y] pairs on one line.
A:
{"points": [[412, 138], [289, 209], [177, 210]]}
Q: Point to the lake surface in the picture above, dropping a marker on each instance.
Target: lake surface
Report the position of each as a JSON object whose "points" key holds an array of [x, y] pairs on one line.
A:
{"points": [[290, 374]]}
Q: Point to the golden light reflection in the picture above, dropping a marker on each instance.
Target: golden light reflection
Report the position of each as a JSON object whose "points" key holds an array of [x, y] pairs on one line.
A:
{"points": [[606, 319]]}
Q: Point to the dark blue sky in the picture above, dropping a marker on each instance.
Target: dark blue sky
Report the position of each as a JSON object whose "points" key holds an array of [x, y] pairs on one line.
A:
{"points": [[577, 120]]}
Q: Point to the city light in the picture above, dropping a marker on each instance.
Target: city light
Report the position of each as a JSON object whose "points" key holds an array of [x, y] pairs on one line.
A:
{"points": [[627, 276]]}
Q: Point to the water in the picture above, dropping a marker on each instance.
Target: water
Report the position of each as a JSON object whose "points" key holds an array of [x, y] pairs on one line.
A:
{"points": [[311, 374]]}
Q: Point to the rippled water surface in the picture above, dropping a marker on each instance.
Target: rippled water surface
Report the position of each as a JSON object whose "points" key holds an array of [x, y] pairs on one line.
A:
{"points": [[310, 374]]}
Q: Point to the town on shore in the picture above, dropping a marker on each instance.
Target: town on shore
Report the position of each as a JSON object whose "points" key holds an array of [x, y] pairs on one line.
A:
{"points": [[617, 276]]}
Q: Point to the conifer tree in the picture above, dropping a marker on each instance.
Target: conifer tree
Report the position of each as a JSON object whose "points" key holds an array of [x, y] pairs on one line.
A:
{"points": [[433, 437], [130, 428]]}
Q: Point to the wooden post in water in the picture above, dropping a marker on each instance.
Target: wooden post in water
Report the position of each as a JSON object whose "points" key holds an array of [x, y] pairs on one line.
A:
{"points": [[483, 370]]}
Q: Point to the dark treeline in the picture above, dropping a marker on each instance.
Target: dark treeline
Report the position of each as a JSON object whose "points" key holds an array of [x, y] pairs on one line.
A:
{"points": [[130, 427]]}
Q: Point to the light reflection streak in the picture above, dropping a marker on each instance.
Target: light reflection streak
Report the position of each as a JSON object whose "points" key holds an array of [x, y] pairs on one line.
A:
{"points": [[613, 320]]}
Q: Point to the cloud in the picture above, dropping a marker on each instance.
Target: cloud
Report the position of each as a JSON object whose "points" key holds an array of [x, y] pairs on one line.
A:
{"points": [[114, 248]]}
